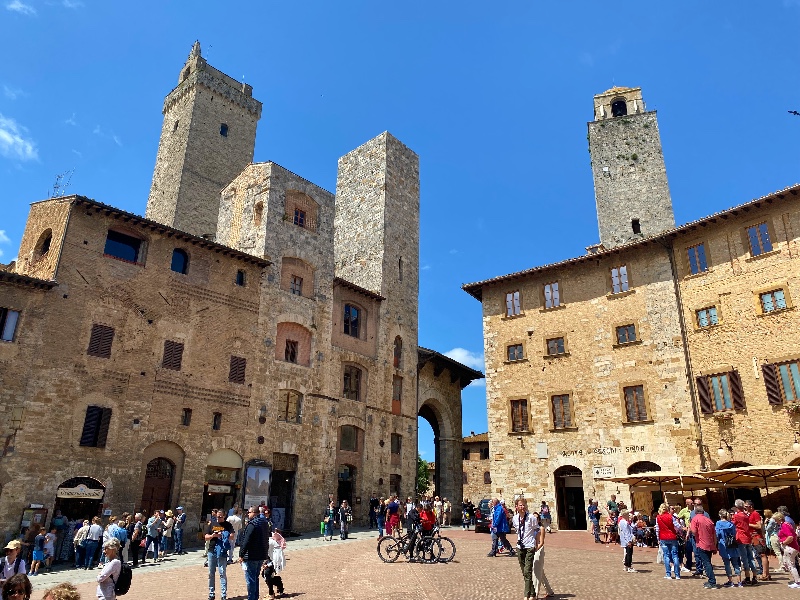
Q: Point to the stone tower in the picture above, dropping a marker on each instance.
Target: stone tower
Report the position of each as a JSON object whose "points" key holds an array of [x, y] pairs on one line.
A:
{"points": [[630, 180], [207, 139]]}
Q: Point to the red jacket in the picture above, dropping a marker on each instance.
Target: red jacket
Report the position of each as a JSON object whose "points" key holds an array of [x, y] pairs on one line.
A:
{"points": [[666, 528], [427, 519]]}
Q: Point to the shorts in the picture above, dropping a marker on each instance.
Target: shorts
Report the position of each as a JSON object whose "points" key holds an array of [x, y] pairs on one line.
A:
{"points": [[38, 555]]}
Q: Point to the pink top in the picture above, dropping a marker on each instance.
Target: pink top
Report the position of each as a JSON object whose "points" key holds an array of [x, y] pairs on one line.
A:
{"points": [[704, 534], [784, 532]]}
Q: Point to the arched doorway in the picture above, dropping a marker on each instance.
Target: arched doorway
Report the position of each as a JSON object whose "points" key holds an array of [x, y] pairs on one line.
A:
{"points": [[223, 480], [570, 501], [431, 417], [80, 498], [157, 489], [645, 501], [346, 477]]}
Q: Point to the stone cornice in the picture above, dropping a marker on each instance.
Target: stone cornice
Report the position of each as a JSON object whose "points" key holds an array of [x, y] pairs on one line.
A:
{"points": [[216, 85]]}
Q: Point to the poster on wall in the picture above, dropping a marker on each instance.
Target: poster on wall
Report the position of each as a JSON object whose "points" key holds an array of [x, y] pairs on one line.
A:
{"points": [[278, 518], [256, 488]]}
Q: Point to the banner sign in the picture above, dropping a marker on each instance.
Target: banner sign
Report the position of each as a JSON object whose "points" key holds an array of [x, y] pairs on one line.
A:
{"points": [[80, 492]]}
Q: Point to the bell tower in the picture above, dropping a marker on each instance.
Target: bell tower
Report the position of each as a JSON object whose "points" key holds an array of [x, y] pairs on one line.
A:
{"points": [[207, 139], [630, 179]]}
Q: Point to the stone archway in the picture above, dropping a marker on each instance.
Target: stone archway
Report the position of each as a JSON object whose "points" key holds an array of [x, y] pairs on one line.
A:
{"points": [[161, 476]]}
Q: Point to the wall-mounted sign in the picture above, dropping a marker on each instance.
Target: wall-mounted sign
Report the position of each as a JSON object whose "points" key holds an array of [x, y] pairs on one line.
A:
{"points": [[80, 491], [256, 490], [603, 471], [219, 489]]}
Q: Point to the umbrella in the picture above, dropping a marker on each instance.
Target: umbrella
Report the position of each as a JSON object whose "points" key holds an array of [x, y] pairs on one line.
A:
{"points": [[663, 481], [754, 476]]}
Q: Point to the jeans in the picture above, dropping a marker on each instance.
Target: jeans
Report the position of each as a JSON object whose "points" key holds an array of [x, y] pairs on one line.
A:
{"points": [[89, 550], [178, 533], [498, 537], [789, 556], [688, 548], [217, 562], [380, 525], [732, 560], [746, 554], [79, 556], [757, 562], [669, 550], [147, 542], [596, 529], [525, 556], [252, 569], [628, 560], [704, 557]]}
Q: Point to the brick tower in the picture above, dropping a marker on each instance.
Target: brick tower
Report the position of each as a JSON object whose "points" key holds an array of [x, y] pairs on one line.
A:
{"points": [[207, 139], [630, 179]]}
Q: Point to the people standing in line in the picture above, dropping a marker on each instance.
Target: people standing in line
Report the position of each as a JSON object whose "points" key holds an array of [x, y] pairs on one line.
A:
{"points": [[787, 536], [668, 541], [626, 540], [168, 532], [79, 541], [705, 542], [329, 519], [252, 551], [180, 523], [728, 551], [765, 546], [138, 534], [154, 525], [217, 535], [744, 537], [236, 522], [108, 577], [499, 528], [345, 516], [92, 542], [16, 587], [593, 512], [771, 536], [527, 528], [756, 538]]}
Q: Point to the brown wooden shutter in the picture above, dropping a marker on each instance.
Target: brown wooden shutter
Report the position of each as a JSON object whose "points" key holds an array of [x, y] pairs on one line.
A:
{"points": [[173, 355], [737, 393], [704, 396], [100, 341], [102, 430], [237, 370], [770, 373], [90, 425]]}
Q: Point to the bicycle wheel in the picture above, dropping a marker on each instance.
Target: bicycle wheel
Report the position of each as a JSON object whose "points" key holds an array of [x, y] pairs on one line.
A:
{"points": [[389, 549], [448, 549], [428, 550]]}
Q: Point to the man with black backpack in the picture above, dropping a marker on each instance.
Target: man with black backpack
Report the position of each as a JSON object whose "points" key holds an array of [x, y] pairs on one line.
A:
{"points": [[253, 550]]}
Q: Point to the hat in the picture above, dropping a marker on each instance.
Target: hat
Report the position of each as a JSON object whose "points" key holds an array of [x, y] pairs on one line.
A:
{"points": [[161, 511], [179, 508], [169, 513], [14, 545]]}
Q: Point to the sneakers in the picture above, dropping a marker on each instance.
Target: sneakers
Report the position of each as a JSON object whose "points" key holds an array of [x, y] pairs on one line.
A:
{"points": [[709, 586], [794, 585], [728, 584], [667, 577], [684, 569], [631, 570]]}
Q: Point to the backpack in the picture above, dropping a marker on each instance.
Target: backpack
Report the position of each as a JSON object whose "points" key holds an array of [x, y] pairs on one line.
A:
{"points": [[730, 539], [16, 562], [123, 582]]}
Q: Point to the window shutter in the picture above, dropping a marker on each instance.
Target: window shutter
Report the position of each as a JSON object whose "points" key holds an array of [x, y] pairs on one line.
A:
{"points": [[524, 415], [704, 396], [770, 374], [100, 341], [237, 370], [102, 431], [737, 393], [90, 425], [173, 355]]}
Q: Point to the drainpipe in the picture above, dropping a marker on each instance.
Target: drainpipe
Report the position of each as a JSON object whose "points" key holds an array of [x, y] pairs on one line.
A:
{"points": [[670, 248]]}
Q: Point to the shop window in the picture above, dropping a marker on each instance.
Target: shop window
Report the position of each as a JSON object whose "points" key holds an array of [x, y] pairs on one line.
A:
{"points": [[173, 355], [100, 341], [8, 324], [123, 247], [290, 406], [95, 427]]}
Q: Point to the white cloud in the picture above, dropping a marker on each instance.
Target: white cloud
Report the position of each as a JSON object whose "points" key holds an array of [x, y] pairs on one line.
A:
{"points": [[72, 4], [4, 239], [453, 251], [465, 357], [425, 268], [13, 141], [116, 140], [13, 93], [21, 7], [77, 153], [110, 136], [71, 121]]}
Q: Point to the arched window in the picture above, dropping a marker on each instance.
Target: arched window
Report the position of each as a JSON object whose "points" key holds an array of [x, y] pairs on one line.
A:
{"points": [[619, 108], [487, 477], [43, 245], [258, 213], [180, 261], [398, 352]]}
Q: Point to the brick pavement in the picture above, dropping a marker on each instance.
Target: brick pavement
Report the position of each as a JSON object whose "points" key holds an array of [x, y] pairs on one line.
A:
{"points": [[351, 570]]}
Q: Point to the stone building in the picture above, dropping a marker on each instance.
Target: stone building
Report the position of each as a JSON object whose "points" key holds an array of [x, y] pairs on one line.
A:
{"points": [[267, 354], [477, 476], [637, 355]]}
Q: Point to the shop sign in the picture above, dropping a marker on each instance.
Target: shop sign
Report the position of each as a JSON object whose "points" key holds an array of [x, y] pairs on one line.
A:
{"points": [[603, 471], [80, 492], [219, 489]]}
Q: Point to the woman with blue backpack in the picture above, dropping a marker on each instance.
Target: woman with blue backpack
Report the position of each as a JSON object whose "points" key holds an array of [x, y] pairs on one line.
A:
{"points": [[728, 548]]}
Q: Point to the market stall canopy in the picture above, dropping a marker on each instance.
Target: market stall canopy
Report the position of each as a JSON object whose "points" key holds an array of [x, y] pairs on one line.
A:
{"points": [[661, 481], [756, 476]]}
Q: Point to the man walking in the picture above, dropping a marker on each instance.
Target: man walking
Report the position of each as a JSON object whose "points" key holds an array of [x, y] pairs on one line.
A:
{"points": [[217, 535], [527, 531], [499, 528], [253, 550], [593, 513], [705, 543], [236, 522]]}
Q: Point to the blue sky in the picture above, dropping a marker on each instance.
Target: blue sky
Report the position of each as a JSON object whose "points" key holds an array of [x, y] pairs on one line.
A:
{"points": [[493, 97]]}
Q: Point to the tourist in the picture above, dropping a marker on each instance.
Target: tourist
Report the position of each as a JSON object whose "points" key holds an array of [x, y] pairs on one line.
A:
{"points": [[16, 587], [180, 523], [756, 538], [685, 515], [38, 553], [12, 563], [236, 522], [217, 534], [393, 512], [275, 564], [380, 516], [612, 528], [593, 513], [412, 525], [373, 511], [539, 577], [167, 533], [728, 551], [788, 540], [108, 577], [252, 551], [527, 532], [62, 591], [499, 528], [345, 517], [92, 542], [626, 540], [612, 504], [154, 525], [547, 519], [79, 541], [61, 523], [705, 542], [50, 540], [744, 537], [137, 535], [668, 541], [771, 537], [120, 532], [437, 509], [447, 507], [329, 518]]}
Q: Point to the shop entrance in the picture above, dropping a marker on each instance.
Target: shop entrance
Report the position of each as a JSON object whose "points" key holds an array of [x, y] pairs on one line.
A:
{"points": [[281, 496], [347, 483], [570, 502], [223, 481], [157, 490], [645, 502], [80, 498]]}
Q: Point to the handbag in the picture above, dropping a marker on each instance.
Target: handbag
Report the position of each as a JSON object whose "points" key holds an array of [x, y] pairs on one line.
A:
{"points": [[660, 556], [142, 543]]}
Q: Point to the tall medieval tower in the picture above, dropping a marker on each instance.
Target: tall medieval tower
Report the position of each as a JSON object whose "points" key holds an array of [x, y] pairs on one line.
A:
{"points": [[630, 179], [207, 139]]}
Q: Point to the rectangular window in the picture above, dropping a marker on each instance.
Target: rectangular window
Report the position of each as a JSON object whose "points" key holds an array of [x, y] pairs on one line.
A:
{"points": [[626, 334], [552, 298], [123, 247], [790, 380], [635, 407], [290, 352], [237, 371], [173, 355], [299, 217], [240, 278], [697, 259], [348, 438], [562, 418], [720, 392], [95, 427], [515, 352], [8, 324], [619, 279], [772, 301], [351, 320], [352, 382], [512, 304], [758, 236], [296, 285], [706, 317], [290, 405], [555, 346], [397, 443], [186, 417], [519, 415], [100, 341], [216, 421], [397, 394]]}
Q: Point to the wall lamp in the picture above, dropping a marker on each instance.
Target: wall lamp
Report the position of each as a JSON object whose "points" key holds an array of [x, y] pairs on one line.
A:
{"points": [[262, 414], [796, 445], [721, 450]]}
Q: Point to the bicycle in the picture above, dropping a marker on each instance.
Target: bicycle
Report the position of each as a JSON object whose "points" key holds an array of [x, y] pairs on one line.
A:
{"points": [[427, 549], [447, 547]]}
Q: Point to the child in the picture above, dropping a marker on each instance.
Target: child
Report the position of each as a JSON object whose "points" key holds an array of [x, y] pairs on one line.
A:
{"points": [[38, 552], [274, 564]]}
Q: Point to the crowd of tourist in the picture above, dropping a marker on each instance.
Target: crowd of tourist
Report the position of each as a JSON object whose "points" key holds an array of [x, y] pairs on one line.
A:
{"points": [[388, 514]]}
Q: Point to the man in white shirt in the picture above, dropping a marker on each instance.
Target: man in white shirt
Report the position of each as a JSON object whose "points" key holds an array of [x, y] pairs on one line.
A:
{"points": [[527, 527], [236, 521]]}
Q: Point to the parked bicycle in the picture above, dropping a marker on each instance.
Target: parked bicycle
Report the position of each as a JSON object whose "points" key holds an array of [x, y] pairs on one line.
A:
{"points": [[428, 548]]}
